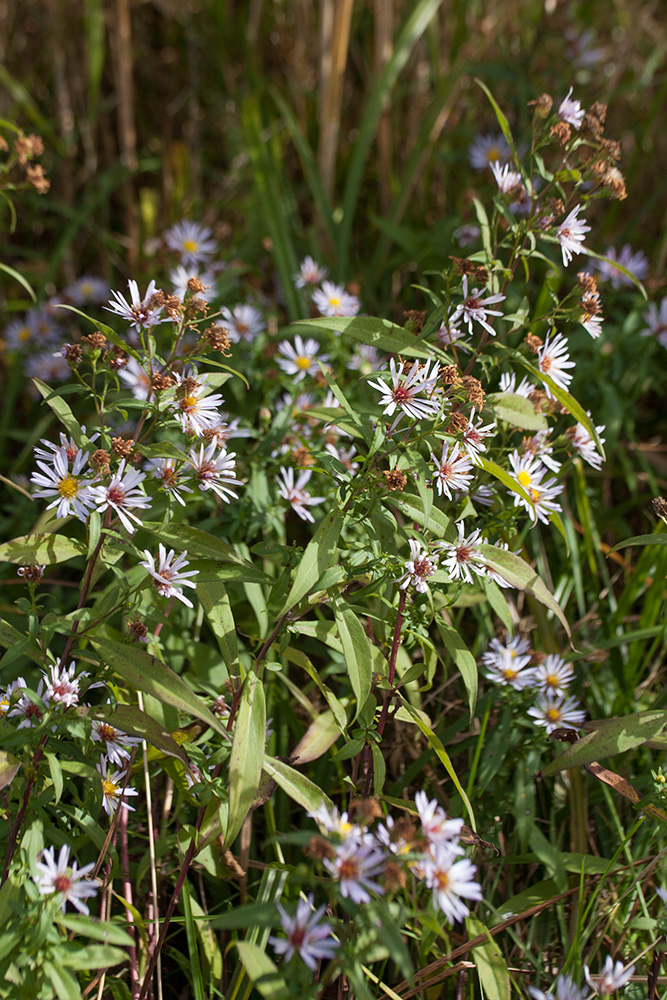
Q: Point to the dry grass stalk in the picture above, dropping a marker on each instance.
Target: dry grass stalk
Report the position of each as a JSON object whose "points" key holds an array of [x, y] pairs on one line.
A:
{"points": [[334, 42]]}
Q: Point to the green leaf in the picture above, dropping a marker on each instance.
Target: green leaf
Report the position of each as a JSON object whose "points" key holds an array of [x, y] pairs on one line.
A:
{"points": [[611, 736], [56, 776], [261, 971], [41, 549], [492, 970], [132, 720], [638, 540], [21, 280], [379, 333], [147, 674], [519, 574], [357, 652], [12, 639], [91, 956], [88, 927], [63, 982], [199, 544], [504, 477], [321, 734], [502, 120], [299, 788], [462, 658], [413, 507], [245, 764], [61, 410], [319, 555], [567, 401], [516, 410], [214, 600], [9, 766]]}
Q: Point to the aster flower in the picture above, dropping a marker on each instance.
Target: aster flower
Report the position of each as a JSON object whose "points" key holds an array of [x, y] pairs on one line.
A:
{"points": [[170, 476], [123, 494], [344, 456], [488, 149], [180, 276], [565, 990], [582, 54], [47, 367], [305, 933], [18, 335], [656, 319], [509, 181], [474, 435], [301, 358], [141, 315], [87, 289], [555, 712], [571, 234], [295, 494], [366, 359], [584, 444], [62, 687], [45, 330], [452, 880], [407, 383], [529, 473], [634, 261], [310, 273], [168, 573], [72, 449], [418, 568], [508, 664], [244, 322], [333, 822], [538, 446], [118, 744], [354, 866], [450, 334], [227, 429], [452, 471], [72, 493], [113, 793], [515, 647], [612, 978], [67, 880], [136, 379], [333, 300], [215, 473], [571, 111], [24, 707], [389, 835], [192, 241], [6, 699], [475, 308], [553, 360], [437, 827], [195, 406], [554, 675], [467, 235], [508, 384], [461, 559]]}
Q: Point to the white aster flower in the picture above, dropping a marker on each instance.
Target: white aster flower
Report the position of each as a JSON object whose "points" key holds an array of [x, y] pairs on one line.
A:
{"points": [[508, 181], [72, 449], [333, 300], [305, 933], [72, 493], [192, 241], [87, 289], [583, 443], [295, 494], [555, 712], [118, 744], [529, 473], [62, 687], [538, 447], [113, 793], [136, 379], [554, 675], [508, 663], [333, 822], [170, 476], [123, 495], [6, 699], [475, 308], [488, 149], [68, 880], [656, 319], [474, 436], [195, 406], [180, 276], [437, 827], [553, 360], [244, 322], [215, 472], [140, 314], [366, 359], [168, 573], [452, 880], [508, 384], [565, 990], [571, 234], [344, 455], [467, 235], [612, 978], [461, 559], [24, 708], [301, 358], [452, 471], [355, 866], [407, 383], [310, 273], [418, 568], [571, 111], [634, 261], [450, 333]]}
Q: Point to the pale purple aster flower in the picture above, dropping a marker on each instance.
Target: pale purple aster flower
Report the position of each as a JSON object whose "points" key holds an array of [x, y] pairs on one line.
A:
{"points": [[407, 383], [87, 289], [305, 933], [354, 866], [140, 314], [333, 300], [452, 471], [571, 111], [195, 406], [168, 573], [516, 646], [450, 334], [582, 55], [46, 331], [244, 322], [554, 712], [72, 449], [418, 568], [170, 476], [366, 359], [584, 444], [508, 384], [18, 335], [136, 379], [508, 664], [113, 793], [58, 876], [474, 435], [452, 880], [656, 319], [553, 360], [331, 821], [488, 149], [25, 708], [295, 494], [634, 261], [227, 429], [47, 367], [565, 990], [571, 234], [215, 473], [461, 559], [73, 494], [467, 235], [508, 181], [437, 827], [6, 699], [554, 675], [612, 978], [310, 273], [300, 358], [62, 687], [475, 308], [119, 745], [538, 447], [192, 241], [387, 835], [344, 455], [122, 495]]}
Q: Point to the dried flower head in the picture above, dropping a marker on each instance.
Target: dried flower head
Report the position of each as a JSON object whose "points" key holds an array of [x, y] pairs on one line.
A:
{"points": [[457, 423], [395, 480], [137, 630], [31, 574], [100, 460], [413, 320], [533, 342], [660, 507], [475, 393], [450, 375], [161, 382], [217, 337], [95, 340], [72, 354], [562, 132], [542, 105], [122, 446]]}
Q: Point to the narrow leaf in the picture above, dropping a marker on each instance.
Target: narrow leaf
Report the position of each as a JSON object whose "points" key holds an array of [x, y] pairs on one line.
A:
{"points": [[245, 764], [379, 333], [319, 555], [611, 736], [299, 788], [41, 549], [357, 653]]}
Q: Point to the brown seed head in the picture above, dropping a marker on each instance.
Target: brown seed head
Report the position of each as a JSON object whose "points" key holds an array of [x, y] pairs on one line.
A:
{"points": [[481, 273], [562, 132], [413, 320], [100, 460], [95, 340], [599, 110], [197, 285], [161, 382], [612, 148], [539, 399], [464, 266], [457, 422], [660, 507], [614, 181], [220, 706], [473, 388], [450, 375], [122, 446], [365, 810], [35, 175], [32, 573], [194, 307], [72, 353], [533, 342], [301, 456], [591, 125], [587, 283], [173, 306], [394, 876], [188, 386], [118, 358], [137, 630], [319, 848], [27, 147], [542, 105], [320, 378], [156, 300], [217, 337], [395, 480]]}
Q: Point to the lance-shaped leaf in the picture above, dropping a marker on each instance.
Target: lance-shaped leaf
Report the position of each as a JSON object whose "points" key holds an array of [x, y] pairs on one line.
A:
{"points": [[321, 734], [516, 410], [41, 549], [217, 608], [17, 644], [611, 736], [519, 574], [379, 333], [199, 544], [245, 763], [147, 674], [61, 410], [462, 657], [132, 720], [567, 401], [299, 788], [357, 652], [319, 555], [639, 540]]}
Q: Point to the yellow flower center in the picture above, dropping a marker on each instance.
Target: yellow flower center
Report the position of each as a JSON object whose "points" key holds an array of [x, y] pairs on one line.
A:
{"points": [[524, 478], [443, 881], [24, 334], [334, 301], [493, 154], [303, 362], [109, 787], [551, 680], [190, 245], [534, 494], [553, 715], [188, 403], [68, 487], [509, 674]]}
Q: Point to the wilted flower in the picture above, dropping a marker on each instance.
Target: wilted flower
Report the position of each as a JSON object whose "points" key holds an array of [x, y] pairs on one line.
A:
{"points": [[306, 934], [68, 880]]}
